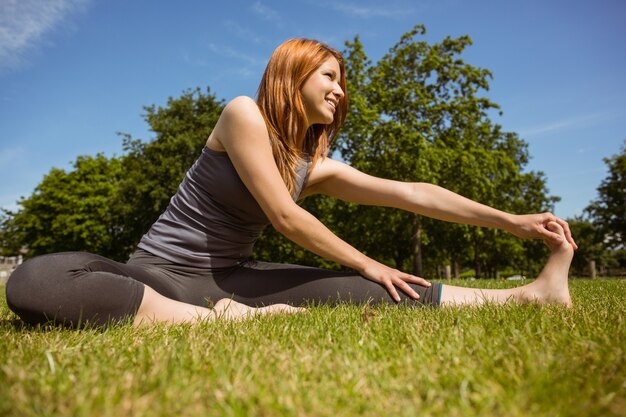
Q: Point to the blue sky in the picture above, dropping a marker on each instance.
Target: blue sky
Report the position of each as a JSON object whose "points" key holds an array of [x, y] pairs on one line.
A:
{"points": [[75, 72]]}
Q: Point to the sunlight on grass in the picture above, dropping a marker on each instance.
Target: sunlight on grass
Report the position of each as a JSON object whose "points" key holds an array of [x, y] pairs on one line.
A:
{"points": [[333, 361]]}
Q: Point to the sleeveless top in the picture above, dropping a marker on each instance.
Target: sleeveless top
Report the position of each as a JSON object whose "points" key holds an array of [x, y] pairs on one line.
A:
{"points": [[212, 221]]}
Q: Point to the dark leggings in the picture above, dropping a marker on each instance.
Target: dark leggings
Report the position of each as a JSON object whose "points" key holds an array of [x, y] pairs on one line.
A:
{"points": [[77, 288]]}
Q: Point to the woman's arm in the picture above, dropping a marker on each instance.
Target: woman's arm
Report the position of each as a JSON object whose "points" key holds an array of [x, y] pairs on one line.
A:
{"points": [[337, 179], [241, 131]]}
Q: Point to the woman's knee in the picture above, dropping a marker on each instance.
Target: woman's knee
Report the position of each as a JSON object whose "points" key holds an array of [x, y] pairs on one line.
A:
{"points": [[33, 284], [25, 287]]}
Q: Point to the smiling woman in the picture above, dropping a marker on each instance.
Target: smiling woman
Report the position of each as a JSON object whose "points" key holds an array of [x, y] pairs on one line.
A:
{"points": [[260, 159], [321, 93]]}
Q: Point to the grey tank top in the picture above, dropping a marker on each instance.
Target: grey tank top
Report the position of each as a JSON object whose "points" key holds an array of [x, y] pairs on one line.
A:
{"points": [[212, 221]]}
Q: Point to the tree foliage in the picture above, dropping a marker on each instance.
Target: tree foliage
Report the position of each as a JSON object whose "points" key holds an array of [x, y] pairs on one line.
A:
{"points": [[70, 211], [601, 231], [609, 210], [154, 169], [591, 246], [417, 115], [106, 205]]}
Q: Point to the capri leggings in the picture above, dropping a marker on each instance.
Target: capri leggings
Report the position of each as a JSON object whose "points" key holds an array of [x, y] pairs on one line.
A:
{"points": [[77, 288]]}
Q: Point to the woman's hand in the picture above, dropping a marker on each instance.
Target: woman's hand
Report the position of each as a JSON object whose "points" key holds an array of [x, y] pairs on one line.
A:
{"points": [[228, 309], [391, 278], [534, 226]]}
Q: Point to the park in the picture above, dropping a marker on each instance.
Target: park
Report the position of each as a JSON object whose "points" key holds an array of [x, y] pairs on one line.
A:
{"points": [[419, 112]]}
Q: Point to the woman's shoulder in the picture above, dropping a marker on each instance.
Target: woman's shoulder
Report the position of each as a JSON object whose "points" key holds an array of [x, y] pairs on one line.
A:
{"points": [[241, 120], [243, 108]]}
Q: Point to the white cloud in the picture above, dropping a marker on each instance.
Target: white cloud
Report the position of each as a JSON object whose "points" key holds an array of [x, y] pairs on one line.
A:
{"points": [[243, 33], [389, 9], [11, 155], [238, 63], [266, 12], [24, 24], [361, 10], [564, 124], [228, 52]]}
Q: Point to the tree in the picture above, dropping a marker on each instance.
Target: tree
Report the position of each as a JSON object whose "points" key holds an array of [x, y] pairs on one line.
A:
{"points": [[70, 211], [609, 210], [591, 246], [416, 115], [106, 205], [154, 169]]}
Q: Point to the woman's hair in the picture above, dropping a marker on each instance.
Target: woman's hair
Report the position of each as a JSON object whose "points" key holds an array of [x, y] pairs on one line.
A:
{"points": [[280, 100]]}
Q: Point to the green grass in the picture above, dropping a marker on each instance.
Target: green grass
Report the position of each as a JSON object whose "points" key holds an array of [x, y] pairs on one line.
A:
{"points": [[350, 360]]}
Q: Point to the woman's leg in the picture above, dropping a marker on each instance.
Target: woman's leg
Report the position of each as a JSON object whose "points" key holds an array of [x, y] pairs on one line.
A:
{"points": [[73, 289], [551, 286], [263, 283], [183, 294], [77, 289], [155, 308]]}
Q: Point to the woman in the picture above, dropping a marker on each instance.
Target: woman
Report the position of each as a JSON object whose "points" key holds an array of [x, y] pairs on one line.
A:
{"points": [[259, 159]]}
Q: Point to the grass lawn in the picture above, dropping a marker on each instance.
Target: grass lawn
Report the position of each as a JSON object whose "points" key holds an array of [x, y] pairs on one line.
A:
{"points": [[349, 360]]}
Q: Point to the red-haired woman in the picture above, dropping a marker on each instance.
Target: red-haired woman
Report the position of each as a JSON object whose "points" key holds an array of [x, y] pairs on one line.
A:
{"points": [[260, 159]]}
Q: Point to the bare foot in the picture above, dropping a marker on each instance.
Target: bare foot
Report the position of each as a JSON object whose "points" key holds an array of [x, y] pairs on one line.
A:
{"points": [[232, 310], [551, 286]]}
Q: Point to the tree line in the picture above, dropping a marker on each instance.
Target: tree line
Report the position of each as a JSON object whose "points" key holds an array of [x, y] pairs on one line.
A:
{"points": [[415, 115]]}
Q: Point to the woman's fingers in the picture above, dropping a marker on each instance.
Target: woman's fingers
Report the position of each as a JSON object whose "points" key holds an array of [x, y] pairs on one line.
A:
{"points": [[402, 282], [392, 280], [550, 235], [407, 289], [555, 237], [392, 291], [416, 280], [567, 231]]}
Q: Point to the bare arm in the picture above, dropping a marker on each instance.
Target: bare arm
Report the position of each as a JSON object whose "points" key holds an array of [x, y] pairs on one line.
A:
{"points": [[342, 181], [241, 131]]}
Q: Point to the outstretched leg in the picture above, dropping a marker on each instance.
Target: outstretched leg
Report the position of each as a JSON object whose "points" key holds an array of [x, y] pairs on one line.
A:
{"points": [[551, 285]]}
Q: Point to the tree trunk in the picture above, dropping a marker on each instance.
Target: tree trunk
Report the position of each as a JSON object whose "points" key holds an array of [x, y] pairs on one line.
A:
{"points": [[417, 246], [448, 272], [398, 263], [592, 269], [456, 269], [476, 258]]}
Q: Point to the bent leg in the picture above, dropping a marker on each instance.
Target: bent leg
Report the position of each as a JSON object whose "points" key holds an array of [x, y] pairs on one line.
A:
{"points": [[551, 286], [77, 289], [156, 308], [72, 288]]}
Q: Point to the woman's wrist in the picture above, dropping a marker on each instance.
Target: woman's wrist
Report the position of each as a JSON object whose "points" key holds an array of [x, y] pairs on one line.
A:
{"points": [[362, 264], [510, 222]]}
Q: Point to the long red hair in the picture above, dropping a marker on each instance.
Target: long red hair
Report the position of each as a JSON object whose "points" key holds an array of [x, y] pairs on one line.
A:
{"points": [[280, 101]]}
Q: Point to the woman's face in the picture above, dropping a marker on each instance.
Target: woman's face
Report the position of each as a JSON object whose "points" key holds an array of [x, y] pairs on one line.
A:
{"points": [[321, 93]]}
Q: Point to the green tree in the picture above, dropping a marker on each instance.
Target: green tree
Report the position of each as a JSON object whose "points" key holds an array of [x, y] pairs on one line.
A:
{"points": [[154, 169], [106, 205], [591, 246], [609, 210], [70, 211], [416, 115]]}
